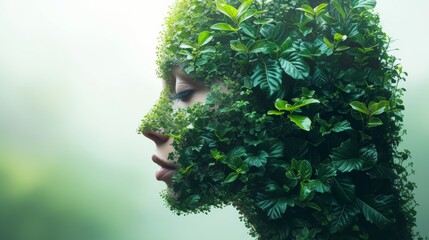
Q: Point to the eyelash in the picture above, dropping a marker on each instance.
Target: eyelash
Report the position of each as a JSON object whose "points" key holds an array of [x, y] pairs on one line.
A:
{"points": [[183, 96]]}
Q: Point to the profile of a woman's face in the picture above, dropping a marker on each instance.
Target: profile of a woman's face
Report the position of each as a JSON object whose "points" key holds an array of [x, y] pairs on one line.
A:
{"points": [[287, 110], [183, 92]]}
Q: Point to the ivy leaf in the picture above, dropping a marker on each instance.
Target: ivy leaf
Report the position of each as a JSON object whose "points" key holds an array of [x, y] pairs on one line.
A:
{"points": [[377, 209], [346, 157], [344, 216], [302, 122], [294, 66], [273, 206], [204, 38], [257, 160], [363, 4], [223, 27], [268, 75], [344, 189]]}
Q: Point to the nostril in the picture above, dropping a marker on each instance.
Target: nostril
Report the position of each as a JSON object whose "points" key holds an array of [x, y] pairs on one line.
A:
{"points": [[156, 137]]}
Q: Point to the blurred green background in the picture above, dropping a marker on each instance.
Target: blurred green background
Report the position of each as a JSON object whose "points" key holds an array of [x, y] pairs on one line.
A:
{"points": [[75, 79]]}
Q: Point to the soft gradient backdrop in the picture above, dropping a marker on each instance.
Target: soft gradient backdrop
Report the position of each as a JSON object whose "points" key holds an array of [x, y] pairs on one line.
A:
{"points": [[77, 76]]}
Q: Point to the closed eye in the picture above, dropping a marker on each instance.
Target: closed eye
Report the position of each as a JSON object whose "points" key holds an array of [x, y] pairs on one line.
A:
{"points": [[183, 96]]}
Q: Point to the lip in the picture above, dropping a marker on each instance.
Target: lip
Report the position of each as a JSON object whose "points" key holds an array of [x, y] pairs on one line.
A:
{"points": [[167, 170]]}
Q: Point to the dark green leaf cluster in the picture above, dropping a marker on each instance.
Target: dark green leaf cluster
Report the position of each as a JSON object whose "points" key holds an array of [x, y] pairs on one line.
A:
{"points": [[304, 141]]}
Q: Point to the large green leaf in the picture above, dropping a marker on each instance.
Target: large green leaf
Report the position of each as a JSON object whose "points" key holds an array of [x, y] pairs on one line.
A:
{"points": [[320, 78], [344, 189], [227, 9], [364, 3], [268, 75], [273, 206], [276, 150], [377, 209], [346, 157], [344, 216], [369, 155], [257, 160], [302, 122], [295, 66]]}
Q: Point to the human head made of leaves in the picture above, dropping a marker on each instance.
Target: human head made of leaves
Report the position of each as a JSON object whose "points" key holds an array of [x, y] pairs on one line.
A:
{"points": [[304, 142]]}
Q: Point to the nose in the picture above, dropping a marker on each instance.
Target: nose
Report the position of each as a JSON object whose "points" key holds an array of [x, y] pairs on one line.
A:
{"points": [[157, 138]]}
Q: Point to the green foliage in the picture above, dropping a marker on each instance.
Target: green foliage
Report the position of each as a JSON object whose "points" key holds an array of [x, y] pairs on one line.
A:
{"points": [[323, 162]]}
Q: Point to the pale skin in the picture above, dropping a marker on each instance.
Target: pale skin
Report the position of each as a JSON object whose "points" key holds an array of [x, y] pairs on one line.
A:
{"points": [[185, 93]]}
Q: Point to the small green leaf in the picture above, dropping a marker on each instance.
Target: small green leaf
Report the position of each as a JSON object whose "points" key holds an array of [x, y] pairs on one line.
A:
{"points": [[307, 9], [239, 47], [374, 122], [319, 9], [249, 30], [368, 4], [281, 104], [302, 122], [263, 21], [204, 38], [231, 177], [246, 15], [377, 108], [328, 43], [223, 27], [360, 107], [339, 37], [305, 170], [186, 46], [275, 112]]}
